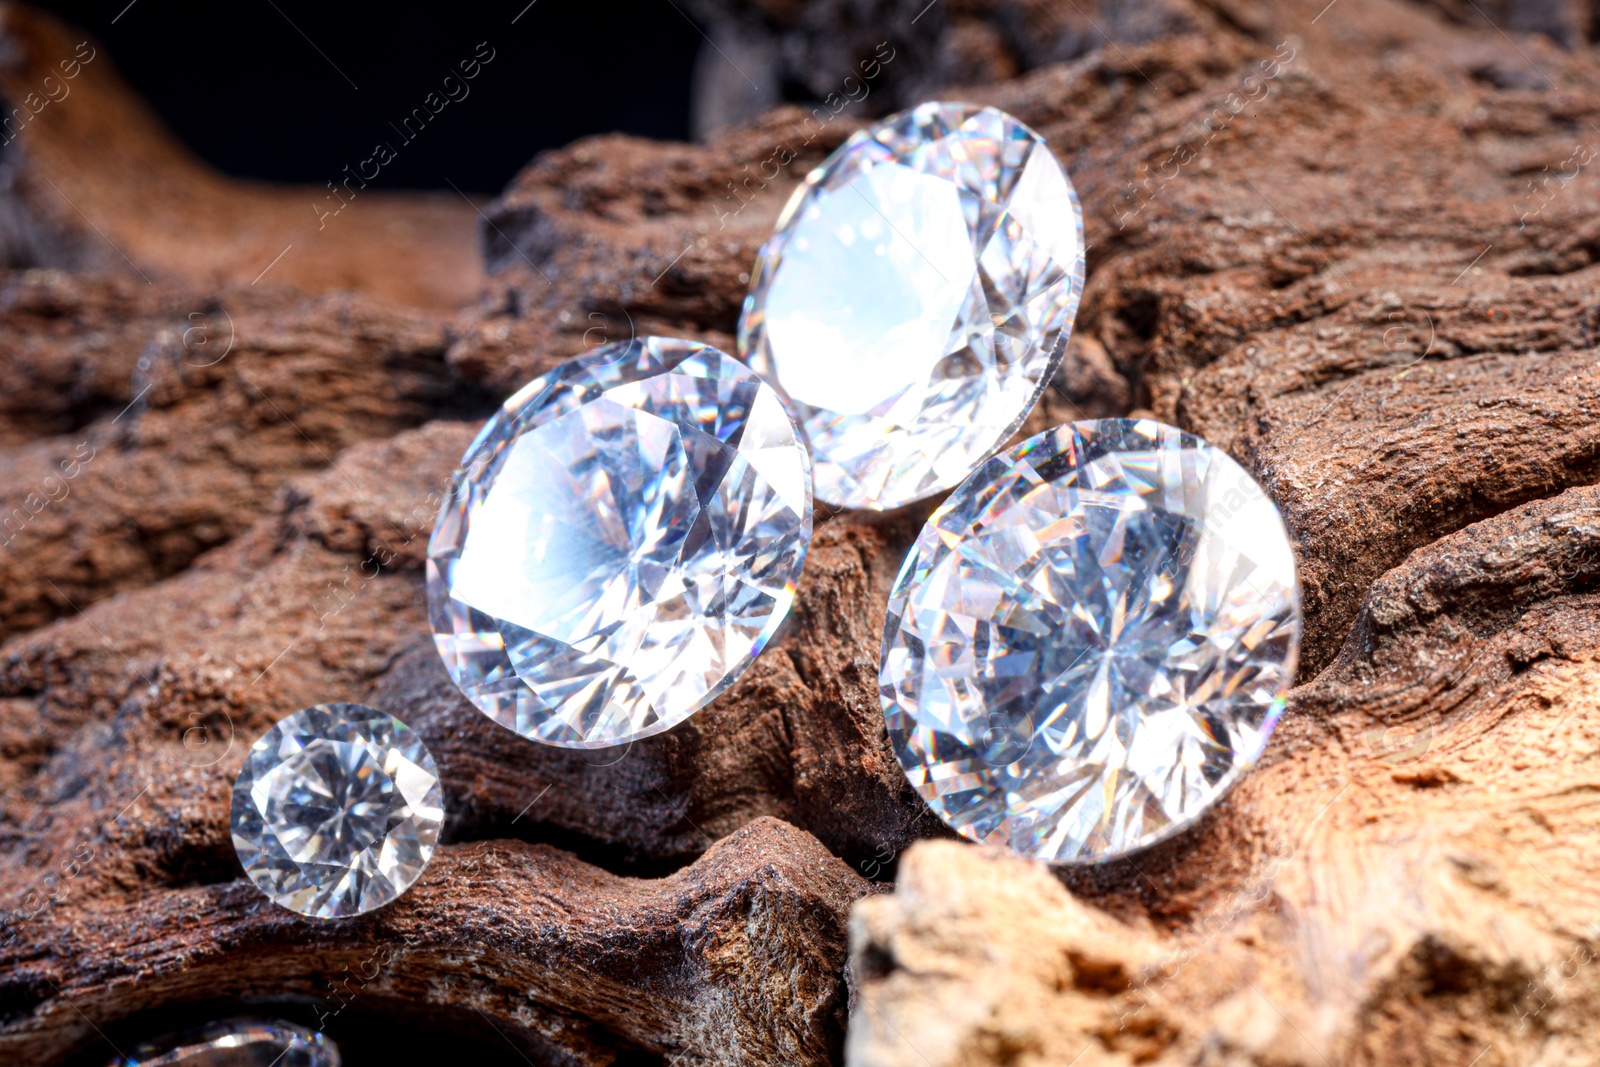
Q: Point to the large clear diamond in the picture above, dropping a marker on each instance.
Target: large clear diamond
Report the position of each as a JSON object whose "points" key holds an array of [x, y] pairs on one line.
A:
{"points": [[337, 810], [623, 540], [1090, 640], [916, 298]]}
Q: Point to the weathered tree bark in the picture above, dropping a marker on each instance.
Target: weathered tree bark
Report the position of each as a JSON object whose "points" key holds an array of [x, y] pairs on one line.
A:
{"points": [[1353, 244]]}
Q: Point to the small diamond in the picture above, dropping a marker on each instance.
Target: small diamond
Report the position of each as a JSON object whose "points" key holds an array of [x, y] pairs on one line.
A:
{"points": [[1090, 640], [916, 298], [624, 539], [240, 1042], [337, 810]]}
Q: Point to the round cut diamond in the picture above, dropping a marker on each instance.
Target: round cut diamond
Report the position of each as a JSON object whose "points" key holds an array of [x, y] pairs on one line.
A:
{"points": [[1090, 640], [337, 810], [623, 540], [916, 298]]}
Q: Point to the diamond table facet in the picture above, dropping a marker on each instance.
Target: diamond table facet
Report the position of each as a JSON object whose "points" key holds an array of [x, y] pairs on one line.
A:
{"points": [[1090, 640], [623, 540], [337, 810], [916, 297]]}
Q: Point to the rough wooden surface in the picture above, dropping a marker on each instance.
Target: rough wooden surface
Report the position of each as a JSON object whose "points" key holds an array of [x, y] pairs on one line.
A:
{"points": [[1354, 244], [93, 181]]}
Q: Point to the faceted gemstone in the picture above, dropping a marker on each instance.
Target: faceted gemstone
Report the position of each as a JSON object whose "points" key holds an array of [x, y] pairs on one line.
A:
{"points": [[1090, 640], [240, 1042], [337, 810], [916, 298], [622, 541]]}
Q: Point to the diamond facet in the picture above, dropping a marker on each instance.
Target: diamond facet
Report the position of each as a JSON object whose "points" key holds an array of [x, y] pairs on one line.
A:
{"points": [[916, 298], [337, 810], [1090, 640], [623, 540]]}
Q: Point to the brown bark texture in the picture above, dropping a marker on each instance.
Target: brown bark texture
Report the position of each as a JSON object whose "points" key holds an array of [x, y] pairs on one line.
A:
{"points": [[1352, 243]]}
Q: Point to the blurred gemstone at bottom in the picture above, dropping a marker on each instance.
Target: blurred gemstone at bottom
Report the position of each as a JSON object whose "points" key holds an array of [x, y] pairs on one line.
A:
{"points": [[236, 1043]]}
